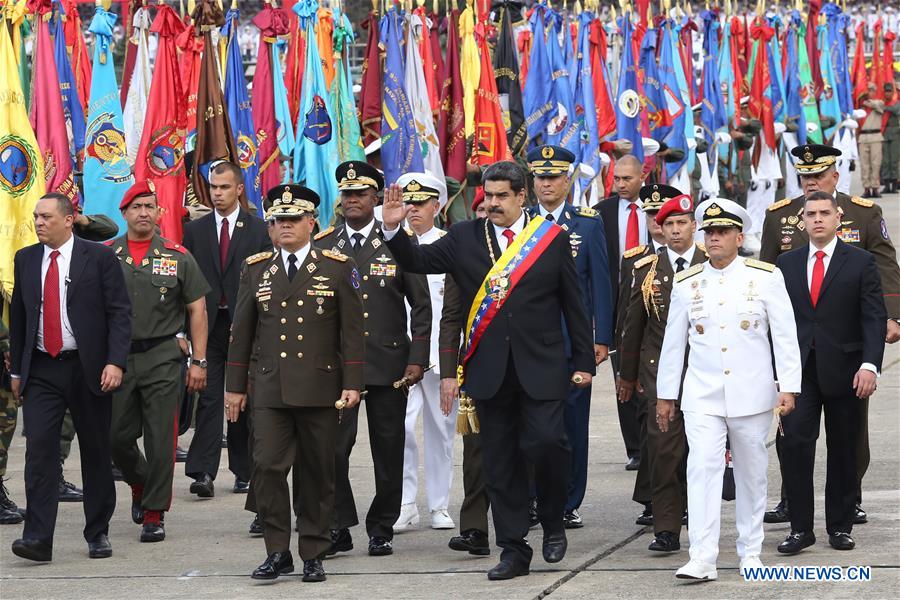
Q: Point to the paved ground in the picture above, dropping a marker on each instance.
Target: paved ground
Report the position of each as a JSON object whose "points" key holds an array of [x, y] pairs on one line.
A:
{"points": [[208, 553]]}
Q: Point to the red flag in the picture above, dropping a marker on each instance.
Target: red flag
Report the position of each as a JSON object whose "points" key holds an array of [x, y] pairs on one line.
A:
{"points": [[425, 47], [160, 158], [296, 62], [452, 122], [47, 117], [812, 46], [860, 78], [686, 53], [877, 73], [189, 71], [369, 108], [606, 114], [524, 42], [760, 105], [271, 22], [129, 10], [489, 145], [888, 56], [436, 55]]}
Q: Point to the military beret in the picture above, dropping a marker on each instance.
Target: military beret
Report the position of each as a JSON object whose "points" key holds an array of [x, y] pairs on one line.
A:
{"points": [[141, 188], [679, 205]]}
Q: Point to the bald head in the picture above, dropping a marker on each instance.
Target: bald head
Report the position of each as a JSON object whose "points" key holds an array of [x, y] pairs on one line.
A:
{"points": [[628, 177]]}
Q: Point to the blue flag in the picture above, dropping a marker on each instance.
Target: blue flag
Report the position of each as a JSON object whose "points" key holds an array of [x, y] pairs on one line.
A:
{"points": [[712, 110], [588, 152], [561, 131], [793, 101], [72, 108], [655, 102], [673, 99], [840, 60], [286, 139], [628, 100], [829, 104], [107, 174], [682, 78], [538, 94], [400, 151], [239, 113], [775, 73]]}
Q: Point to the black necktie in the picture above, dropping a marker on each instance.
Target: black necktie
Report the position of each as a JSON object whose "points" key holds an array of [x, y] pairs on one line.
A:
{"points": [[292, 266], [680, 262], [357, 241], [550, 217]]}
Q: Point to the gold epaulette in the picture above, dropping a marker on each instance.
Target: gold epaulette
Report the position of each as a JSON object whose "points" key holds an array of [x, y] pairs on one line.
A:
{"points": [[689, 272], [335, 255], [259, 256], [862, 202], [758, 264], [634, 251], [779, 204], [441, 233], [323, 233], [702, 247], [651, 258], [408, 231], [586, 211]]}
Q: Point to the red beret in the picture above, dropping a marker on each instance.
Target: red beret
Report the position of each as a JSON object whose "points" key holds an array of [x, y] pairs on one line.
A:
{"points": [[141, 188], [679, 205], [479, 198]]}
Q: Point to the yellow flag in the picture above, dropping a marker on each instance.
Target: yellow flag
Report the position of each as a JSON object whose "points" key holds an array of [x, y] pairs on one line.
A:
{"points": [[21, 166], [469, 65]]}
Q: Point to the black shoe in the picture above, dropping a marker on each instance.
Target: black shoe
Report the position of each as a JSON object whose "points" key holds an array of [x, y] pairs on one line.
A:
{"points": [[278, 563], [203, 486], [117, 473], [180, 454], [860, 516], [554, 547], [100, 547], [256, 527], [240, 486], [633, 464], [797, 541], [137, 511], [665, 541], [472, 541], [9, 512], [379, 546], [507, 570], [154, 530], [313, 571], [33, 550], [646, 517], [68, 492], [533, 519], [341, 541], [841, 541], [780, 514], [572, 520]]}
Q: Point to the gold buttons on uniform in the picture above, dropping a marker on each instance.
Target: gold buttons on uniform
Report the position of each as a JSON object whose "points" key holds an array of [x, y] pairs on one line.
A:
{"points": [[283, 337], [652, 361], [299, 319], [721, 302], [365, 315], [722, 326], [299, 338], [365, 296], [299, 355], [365, 277], [728, 371], [284, 355], [283, 320], [299, 302], [366, 334], [724, 349], [284, 305]]}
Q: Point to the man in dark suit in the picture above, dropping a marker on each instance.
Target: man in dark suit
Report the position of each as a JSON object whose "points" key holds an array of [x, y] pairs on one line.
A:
{"points": [[70, 331], [516, 370], [220, 242], [839, 309]]}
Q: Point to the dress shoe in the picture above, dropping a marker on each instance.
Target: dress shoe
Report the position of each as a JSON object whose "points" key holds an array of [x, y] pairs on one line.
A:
{"points": [[137, 511], [100, 547], [841, 541], [408, 519], [203, 486], [860, 516], [240, 486], [506, 569], [278, 563], [68, 492], [780, 514], [797, 541], [665, 541], [471, 541], [646, 517], [313, 571], [35, 550], [440, 519], [533, 519], [154, 529], [341, 541], [256, 527], [379, 546], [633, 464], [751, 562], [554, 547], [699, 570], [9, 512], [572, 520], [180, 454]]}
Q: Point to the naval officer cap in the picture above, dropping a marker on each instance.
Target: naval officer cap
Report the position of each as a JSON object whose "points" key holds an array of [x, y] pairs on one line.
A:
{"points": [[721, 212], [654, 195], [550, 161], [291, 201], [814, 158], [418, 188], [358, 175]]}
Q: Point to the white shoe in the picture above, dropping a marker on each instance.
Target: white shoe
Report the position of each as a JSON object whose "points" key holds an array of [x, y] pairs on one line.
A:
{"points": [[408, 519], [696, 569], [440, 519], [750, 562]]}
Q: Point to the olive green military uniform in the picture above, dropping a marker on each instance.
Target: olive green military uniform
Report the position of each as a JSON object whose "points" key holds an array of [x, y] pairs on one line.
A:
{"points": [[306, 336], [890, 156], [160, 287], [641, 345], [9, 407]]}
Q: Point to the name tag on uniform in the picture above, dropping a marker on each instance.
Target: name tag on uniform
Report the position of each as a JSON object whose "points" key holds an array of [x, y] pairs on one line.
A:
{"points": [[327, 293], [383, 270], [165, 266]]}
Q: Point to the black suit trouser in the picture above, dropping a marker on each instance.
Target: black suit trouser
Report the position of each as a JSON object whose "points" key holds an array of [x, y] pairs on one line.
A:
{"points": [[517, 429], [801, 430], [386, 414], [55, 385], [629, 422]]}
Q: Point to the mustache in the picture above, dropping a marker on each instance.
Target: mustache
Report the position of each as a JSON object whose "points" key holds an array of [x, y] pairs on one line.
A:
{"points": [[497, 210]]}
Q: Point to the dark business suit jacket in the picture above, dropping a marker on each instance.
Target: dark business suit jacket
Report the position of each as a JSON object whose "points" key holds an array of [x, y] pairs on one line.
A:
{"points": [[96, 301], [849, 322], [534, 338]]}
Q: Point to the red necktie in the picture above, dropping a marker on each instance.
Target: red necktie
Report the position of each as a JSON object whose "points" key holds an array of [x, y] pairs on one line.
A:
{"points": [[632, 232], [509, 235], [224, 242], [52, 322], [818, 274]]}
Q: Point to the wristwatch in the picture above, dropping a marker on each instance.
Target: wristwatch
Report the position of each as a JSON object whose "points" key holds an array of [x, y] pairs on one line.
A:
{"points": [[201, 362]]}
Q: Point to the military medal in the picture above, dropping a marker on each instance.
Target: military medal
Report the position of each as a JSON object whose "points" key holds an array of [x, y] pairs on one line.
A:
{"points": [[162, 294], [320, 310], [699, 328], [745, 325]]}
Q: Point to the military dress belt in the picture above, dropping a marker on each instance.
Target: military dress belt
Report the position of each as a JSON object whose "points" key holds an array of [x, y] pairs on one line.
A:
{"points": [[870, 131], [138, 346]]}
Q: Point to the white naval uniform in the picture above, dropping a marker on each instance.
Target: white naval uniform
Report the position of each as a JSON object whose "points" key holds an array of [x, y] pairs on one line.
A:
{"points": [[424, 397], [726, 316]]}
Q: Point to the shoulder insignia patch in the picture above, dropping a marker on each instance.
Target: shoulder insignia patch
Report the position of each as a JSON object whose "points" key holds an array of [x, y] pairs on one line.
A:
{"points": [[779, 204], [758, 264], [335, 255], [259, 256], [634, 251], [586, 211], [323, 233], [689, 272], [652, 258], [170, 245], [862, 202]]}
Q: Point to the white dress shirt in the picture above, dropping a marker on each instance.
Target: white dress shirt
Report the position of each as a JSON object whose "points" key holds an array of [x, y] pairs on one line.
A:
{"points": [[624, 213], [63, 262], [365, 231], [516, 227], [232, 221], [300, 254], [674, 256], [557, 212]]}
